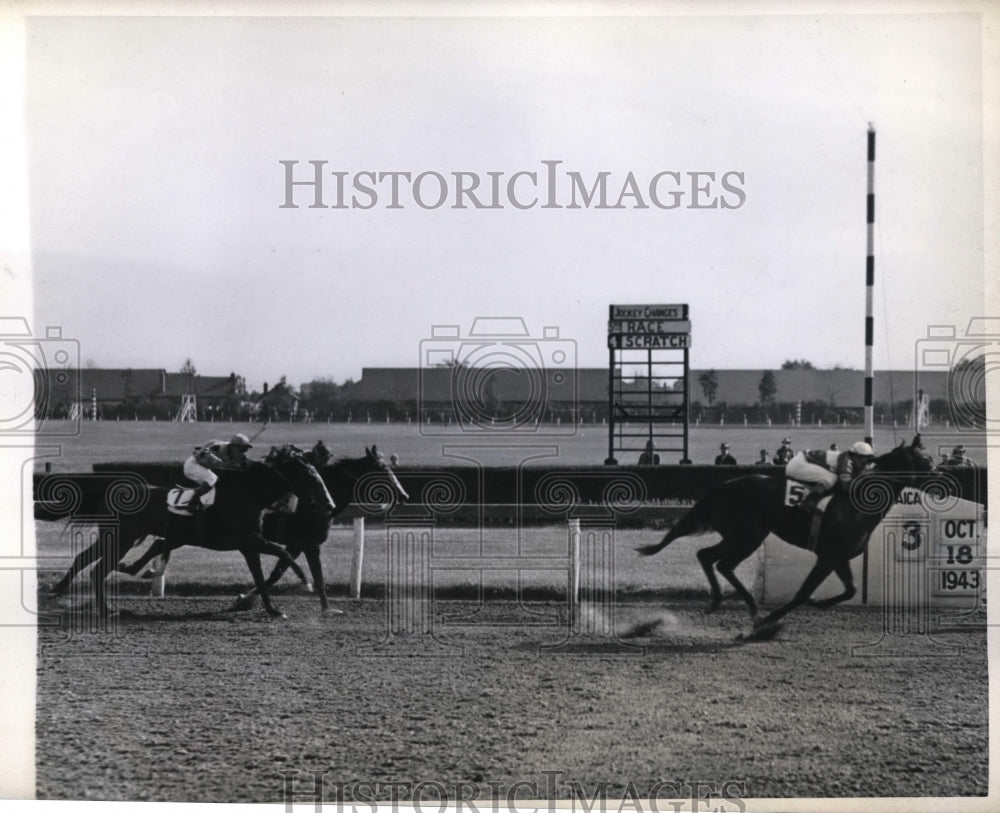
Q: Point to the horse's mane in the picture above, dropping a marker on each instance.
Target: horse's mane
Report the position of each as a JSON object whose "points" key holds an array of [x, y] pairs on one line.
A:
{"points": [[909, 453]]}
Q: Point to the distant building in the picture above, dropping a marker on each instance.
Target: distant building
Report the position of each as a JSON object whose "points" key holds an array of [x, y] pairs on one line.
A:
{"points": [[500, 394], [440, 391], [134, 392]]}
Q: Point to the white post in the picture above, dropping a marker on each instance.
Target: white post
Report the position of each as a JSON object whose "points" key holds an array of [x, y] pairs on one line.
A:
{"points": [[574, 559], [158, 583], [359, 555]]}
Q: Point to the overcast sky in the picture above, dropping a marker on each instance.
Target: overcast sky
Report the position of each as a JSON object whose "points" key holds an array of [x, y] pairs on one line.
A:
{"points": [[156, 188]]}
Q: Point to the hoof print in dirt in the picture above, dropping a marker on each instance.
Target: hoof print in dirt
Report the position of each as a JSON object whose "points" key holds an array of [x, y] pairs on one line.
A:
{"points": [[641, 628]]}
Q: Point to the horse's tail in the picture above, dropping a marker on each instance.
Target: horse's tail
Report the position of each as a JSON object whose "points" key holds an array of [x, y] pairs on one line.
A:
{"points": [[696, 521]]}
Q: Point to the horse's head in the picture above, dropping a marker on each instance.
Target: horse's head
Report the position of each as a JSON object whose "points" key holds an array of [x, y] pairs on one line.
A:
{"points": [[378, 463], [293, 464], [318, 455], [905, 459]]}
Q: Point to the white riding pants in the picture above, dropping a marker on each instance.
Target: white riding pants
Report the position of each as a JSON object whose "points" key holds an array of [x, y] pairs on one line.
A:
{"points": [[800, 469], [193, 470]]}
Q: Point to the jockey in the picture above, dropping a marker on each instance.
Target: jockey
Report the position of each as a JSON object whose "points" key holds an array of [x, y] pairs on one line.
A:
{"points": [[823, 469], [217, 454]]}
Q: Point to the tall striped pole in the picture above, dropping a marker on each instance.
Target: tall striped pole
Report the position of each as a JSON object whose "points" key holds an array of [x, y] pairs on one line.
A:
{"points": [[869, 289], [869, 325]]}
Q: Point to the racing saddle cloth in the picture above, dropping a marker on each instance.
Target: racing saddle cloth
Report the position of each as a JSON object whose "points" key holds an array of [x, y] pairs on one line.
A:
{"points": [[796, 492], [179, 500]]}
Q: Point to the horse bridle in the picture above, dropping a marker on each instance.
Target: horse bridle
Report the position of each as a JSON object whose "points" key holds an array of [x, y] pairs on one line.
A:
{"points": [[295, 456]]}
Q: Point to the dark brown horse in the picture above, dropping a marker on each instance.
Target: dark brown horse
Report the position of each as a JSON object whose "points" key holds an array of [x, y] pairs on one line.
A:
{"points": [[231, 523], [745, 510], [306, 529]]}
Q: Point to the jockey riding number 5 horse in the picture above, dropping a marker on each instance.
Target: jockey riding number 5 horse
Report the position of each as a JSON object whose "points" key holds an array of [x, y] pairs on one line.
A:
{"points": [[746, 509]]}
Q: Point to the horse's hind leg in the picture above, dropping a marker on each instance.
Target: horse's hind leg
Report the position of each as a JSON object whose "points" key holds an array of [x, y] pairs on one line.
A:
{"points": [[316, 568], [708, 557], [83, 560], [727, 567], [843, 571], [159, 547]]}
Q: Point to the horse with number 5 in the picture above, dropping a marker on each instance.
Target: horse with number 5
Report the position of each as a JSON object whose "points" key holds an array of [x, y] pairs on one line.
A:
{"points": [[746, 509]]}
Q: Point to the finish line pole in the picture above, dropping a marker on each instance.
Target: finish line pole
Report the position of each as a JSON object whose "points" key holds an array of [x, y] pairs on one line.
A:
{"points": [[869, 289], [869, 324]]}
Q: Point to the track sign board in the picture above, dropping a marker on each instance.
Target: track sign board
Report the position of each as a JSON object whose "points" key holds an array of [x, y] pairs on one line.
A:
{"points": [[638, 420], [642, 326], [649, 341], [648, 327], [673, 312]]}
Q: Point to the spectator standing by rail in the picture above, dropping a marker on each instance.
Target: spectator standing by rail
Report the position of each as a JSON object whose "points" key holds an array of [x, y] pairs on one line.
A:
{"points": [[784, 453], [763, 459], [958, 460], [649, 457], [724, 458]]}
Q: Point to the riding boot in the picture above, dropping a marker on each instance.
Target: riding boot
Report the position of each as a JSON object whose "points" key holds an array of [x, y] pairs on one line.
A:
{"points": [[814, 526], [198, 510], [195, 506], [811, 502]]}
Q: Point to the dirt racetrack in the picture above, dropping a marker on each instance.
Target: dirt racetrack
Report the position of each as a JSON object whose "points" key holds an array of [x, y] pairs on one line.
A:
{"points": [[181, 700]]}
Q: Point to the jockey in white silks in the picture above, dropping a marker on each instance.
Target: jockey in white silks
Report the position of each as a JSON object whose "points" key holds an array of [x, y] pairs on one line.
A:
{"points": [[824, 469], [217, 454]]}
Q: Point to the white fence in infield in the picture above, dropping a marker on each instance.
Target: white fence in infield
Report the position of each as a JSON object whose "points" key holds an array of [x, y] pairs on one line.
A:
{"points": [[923, 555]]}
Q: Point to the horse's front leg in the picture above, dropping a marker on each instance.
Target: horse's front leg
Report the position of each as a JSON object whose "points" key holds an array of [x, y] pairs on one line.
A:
{"points": [[814, 579], [846, 575], [252, 556], [251, 552], [316, 568], [245, 600], [293, 549], [98, 576], [284, 557]]}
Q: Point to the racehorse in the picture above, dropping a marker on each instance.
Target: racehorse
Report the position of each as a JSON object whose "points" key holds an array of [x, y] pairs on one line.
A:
{"points": [[273, 519], [306, 529], [746, 509], [231, 523]]}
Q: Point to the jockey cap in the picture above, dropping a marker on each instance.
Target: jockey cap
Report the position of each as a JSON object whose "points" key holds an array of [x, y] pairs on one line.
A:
{"points": [[863, 449], [241, 440]]}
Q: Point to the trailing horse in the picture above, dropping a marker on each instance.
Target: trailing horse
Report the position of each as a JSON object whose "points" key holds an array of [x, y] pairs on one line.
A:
{"points": [[232, 523], [305, 530], [745, 510]]}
